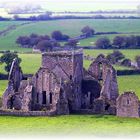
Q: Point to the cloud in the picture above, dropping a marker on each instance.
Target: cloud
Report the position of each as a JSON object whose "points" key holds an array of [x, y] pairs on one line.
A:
{"points": [[73, 4]]}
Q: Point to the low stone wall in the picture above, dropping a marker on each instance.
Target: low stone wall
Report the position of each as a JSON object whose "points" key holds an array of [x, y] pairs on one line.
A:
{"points": [[29, 113]]}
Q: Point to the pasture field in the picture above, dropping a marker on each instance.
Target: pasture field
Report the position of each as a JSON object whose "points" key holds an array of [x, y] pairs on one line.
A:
{"points": [[129, 53], [91, 41], [71, 27], [5, 24], [3, 84]]}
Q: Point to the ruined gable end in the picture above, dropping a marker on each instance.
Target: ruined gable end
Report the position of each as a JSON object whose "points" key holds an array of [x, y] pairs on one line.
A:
{"points": [[103, 71], [128, 105]]}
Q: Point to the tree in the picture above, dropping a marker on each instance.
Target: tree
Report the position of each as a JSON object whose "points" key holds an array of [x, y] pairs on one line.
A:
{"points": [[32, 40], [33, 35], [23, 40], [88, 31], [8, 58], [130, 41], [72, 43], [55, 43], [119, 42], [57, 35], [44, 46], [138, 41], [65, 37], [103, 43], [45, 37]]}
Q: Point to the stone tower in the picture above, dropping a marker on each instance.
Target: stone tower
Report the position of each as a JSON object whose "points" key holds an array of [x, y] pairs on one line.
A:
{"points": [[65, 64], [61, 68]]}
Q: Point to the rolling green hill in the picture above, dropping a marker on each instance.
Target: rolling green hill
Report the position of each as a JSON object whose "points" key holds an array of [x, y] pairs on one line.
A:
{"points": [[71, 27]]}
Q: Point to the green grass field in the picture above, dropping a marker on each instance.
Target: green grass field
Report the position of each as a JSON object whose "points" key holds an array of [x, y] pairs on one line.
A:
{"points": [[5, 24], [73, 125], [91, 41], [3, 84], [129, 53], [66, 26]]}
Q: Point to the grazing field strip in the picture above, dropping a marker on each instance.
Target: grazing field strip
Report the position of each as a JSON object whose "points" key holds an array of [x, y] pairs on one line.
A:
{"points": [[91, 41], [13, 27], [129, 53], [5, 24]]}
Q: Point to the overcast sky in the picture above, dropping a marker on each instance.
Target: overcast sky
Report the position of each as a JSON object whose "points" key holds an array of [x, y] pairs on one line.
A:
{"points": [[75, 5]]}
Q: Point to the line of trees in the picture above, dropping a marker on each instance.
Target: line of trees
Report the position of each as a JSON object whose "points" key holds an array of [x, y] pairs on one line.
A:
{"points": [[47, 16], [119, 42], [42, 41]]}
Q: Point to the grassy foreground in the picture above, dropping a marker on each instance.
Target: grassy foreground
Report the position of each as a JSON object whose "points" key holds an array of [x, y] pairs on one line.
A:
{"points": [[79, 125]]}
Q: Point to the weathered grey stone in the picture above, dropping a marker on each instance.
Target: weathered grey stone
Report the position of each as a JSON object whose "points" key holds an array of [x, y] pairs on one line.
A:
{"points": [[63, 86], [102, 70], [128, 105], [15, 77]]}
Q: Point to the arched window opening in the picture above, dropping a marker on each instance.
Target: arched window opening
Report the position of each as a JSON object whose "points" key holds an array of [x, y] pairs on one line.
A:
{"points": [[37, 98], [107, 107], [11, 102], [128, 102], [44, 97], [100, 71], [70, 77], [50, 98]]}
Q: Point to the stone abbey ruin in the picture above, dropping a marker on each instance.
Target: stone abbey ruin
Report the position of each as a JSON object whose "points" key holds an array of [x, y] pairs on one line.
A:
{"points": [[62, 86]]}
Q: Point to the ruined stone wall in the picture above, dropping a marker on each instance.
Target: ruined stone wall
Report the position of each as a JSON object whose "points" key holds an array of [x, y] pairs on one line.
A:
{"points": [[128, 105], [15, 75], [110, 85], [68, 66], [77, 78], [10, 97], [45, 81], [103, 71]]}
